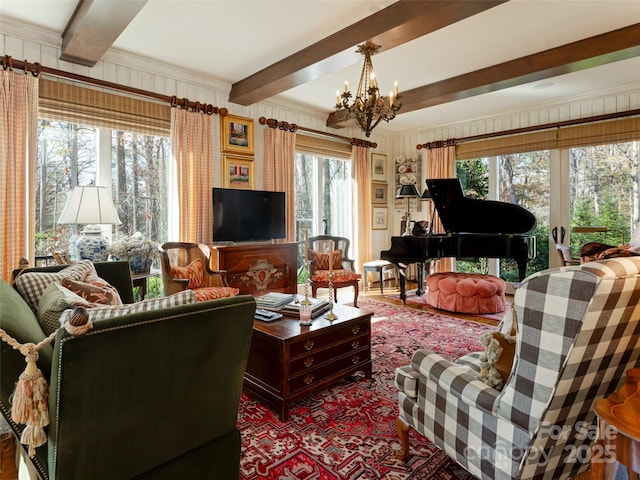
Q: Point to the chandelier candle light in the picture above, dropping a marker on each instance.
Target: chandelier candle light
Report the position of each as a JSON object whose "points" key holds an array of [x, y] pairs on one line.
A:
{"points": [[368, 107], [306, 300], [331, 316]]}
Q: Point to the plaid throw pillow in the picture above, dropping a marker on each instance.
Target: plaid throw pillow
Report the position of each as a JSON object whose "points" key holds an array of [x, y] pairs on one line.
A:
{"points": [[101, 313], [321, 260], [194, 272], [31, 285]]}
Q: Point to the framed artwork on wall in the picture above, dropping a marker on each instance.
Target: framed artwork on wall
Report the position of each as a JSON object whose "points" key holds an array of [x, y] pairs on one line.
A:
{"points": [[237, 172], [379, 193], [237, 135], [378, 167], [380, 218]]}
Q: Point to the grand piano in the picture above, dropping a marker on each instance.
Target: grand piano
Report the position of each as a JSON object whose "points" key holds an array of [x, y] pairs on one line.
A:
{"points": [[474, 229]]}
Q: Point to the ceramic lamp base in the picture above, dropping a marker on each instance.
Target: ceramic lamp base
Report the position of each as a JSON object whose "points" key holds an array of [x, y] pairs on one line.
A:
{"points": [[93, 246]]}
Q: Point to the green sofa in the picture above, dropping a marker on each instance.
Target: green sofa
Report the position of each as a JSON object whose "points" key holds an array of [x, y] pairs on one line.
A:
{"points": [[150, 395]]}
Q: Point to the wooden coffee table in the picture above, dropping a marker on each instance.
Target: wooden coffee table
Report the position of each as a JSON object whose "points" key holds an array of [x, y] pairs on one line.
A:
{"points": [[288, 361]]}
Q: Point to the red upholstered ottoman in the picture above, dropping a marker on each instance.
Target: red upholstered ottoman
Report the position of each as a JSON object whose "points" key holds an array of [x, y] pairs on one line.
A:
{"points": [[466, 292]]}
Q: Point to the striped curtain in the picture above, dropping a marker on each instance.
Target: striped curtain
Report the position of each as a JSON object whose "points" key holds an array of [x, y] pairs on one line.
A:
{"points": [[362, 204], [192, 163], [18, 153], [441, 163], [279, 155]]}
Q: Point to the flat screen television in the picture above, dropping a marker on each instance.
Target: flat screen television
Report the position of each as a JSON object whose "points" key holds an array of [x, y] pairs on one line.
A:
{"points": [[248, 215]]}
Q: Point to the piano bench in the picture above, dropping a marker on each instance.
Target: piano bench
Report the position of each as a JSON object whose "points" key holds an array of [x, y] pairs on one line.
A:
{"points": [[466, 292], [379, 266]]}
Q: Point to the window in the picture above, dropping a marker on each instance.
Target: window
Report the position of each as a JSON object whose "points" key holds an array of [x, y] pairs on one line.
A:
{"points": [[522, 179], [604, 191], [69, 154], [323, 195]]}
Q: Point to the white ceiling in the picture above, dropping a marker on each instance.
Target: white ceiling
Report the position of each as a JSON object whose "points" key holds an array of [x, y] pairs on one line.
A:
{"points": [[226, 41]]}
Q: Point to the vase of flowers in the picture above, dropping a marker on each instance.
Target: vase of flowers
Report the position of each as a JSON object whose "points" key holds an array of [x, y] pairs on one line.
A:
{"points": [[137, 250]]}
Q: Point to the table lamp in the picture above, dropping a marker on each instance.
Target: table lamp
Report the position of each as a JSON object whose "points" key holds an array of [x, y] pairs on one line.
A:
{"points": [[426, 197], [90, 206], [408, 190]]}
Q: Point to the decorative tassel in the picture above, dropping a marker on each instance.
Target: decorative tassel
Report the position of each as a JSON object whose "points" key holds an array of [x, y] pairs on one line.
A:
{"points": [[31, 395], [30, 401]]}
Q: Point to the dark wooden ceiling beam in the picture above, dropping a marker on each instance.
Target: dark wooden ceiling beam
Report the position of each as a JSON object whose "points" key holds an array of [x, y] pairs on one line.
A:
{"points": [[399, 23], [592, 52], [93, 28]]}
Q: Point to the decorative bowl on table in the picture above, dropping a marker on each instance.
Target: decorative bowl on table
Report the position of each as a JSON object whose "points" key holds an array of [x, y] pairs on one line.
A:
{"points": [[137, 250]]}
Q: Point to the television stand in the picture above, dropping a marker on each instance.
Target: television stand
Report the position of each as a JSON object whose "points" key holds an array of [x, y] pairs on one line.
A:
{"points": [[257, 268]]}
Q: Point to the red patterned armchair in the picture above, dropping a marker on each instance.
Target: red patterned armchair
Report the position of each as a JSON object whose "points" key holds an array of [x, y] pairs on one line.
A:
{"points": [[320, 256]]}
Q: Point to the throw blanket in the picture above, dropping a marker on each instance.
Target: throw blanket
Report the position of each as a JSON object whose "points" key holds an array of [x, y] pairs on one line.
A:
{"points": [[599, 251]]}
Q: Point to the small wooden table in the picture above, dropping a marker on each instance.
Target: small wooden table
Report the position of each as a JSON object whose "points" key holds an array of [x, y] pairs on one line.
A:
{"points": [[140, 279], [619, 435], [288, 361]]}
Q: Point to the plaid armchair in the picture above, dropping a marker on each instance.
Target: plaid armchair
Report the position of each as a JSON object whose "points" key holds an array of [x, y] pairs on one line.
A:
{"points": [[578, 332]]}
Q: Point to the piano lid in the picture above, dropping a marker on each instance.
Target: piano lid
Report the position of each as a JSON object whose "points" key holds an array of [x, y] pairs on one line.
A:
{"points": [[460, 214]]}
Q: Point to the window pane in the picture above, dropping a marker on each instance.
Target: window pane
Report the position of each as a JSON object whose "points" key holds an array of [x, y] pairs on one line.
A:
{"points": [[604, 192], [523, 179], [66, 158], [323, 197], [140, 166]]}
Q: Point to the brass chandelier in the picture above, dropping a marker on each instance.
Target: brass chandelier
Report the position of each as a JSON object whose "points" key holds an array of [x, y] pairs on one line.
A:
{"points": [[368, 107]]}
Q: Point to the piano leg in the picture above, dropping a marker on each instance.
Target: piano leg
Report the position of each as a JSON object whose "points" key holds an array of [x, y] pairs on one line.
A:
{"points": [[402, 273], [420, 279], [522, 269]]}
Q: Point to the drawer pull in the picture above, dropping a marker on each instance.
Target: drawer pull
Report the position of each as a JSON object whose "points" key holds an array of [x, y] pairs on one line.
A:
{"points": [[308, 362], [355, 359], [308, 379], [308, 345], [355, 329], [355, 344]]}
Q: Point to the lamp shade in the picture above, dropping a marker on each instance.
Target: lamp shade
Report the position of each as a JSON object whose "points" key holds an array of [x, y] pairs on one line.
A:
{"points": [[407, 190], [86, 205]]}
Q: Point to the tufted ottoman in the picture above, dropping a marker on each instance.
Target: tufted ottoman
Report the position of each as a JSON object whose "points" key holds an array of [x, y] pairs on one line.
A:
{"points": [[466, 292]]}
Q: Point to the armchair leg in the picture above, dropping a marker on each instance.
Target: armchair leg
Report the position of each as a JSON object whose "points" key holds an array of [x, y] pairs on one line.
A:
{"points": [[403, 433]]}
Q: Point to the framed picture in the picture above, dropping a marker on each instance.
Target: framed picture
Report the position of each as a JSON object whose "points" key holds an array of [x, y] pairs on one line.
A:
{"points": [[380, 218], [379, 193], [237, 172], [237, 135], [379, 167]]}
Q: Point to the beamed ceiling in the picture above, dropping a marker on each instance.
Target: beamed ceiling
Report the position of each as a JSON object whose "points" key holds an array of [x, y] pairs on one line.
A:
{"points": [[455, 60]]}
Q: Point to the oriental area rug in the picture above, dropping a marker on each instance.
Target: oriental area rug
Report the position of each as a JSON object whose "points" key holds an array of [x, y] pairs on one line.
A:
{"points": [[347, 431]]}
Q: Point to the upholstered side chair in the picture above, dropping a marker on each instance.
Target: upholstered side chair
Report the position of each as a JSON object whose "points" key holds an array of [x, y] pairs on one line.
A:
{"points": [[577, 334], [344, 274], [186, 265]]}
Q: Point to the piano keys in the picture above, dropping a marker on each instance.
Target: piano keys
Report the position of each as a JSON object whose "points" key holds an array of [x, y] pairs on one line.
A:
{"points": [[474, 229]]}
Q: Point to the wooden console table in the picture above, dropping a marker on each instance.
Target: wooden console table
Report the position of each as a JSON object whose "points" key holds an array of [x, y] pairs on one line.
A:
{"points": [[257, 268]]}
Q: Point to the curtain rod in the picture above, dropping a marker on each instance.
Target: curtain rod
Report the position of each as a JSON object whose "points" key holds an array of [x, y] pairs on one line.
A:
{"points": [[292, 127], [546, 126], [8, 63]]}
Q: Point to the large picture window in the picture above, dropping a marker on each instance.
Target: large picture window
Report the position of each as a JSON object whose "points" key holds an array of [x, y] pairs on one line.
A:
{"points": [[69, 154]]}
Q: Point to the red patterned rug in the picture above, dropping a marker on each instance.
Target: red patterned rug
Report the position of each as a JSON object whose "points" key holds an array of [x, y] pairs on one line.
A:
{"points": [[348, 430]]}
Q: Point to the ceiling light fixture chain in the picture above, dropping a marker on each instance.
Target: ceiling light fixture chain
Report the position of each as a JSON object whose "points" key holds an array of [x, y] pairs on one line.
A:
{"points": [[368, 107]]}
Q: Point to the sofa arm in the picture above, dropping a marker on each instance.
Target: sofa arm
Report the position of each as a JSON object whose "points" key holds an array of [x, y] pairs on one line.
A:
{"points": [[457, 380], [138, 391]]}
